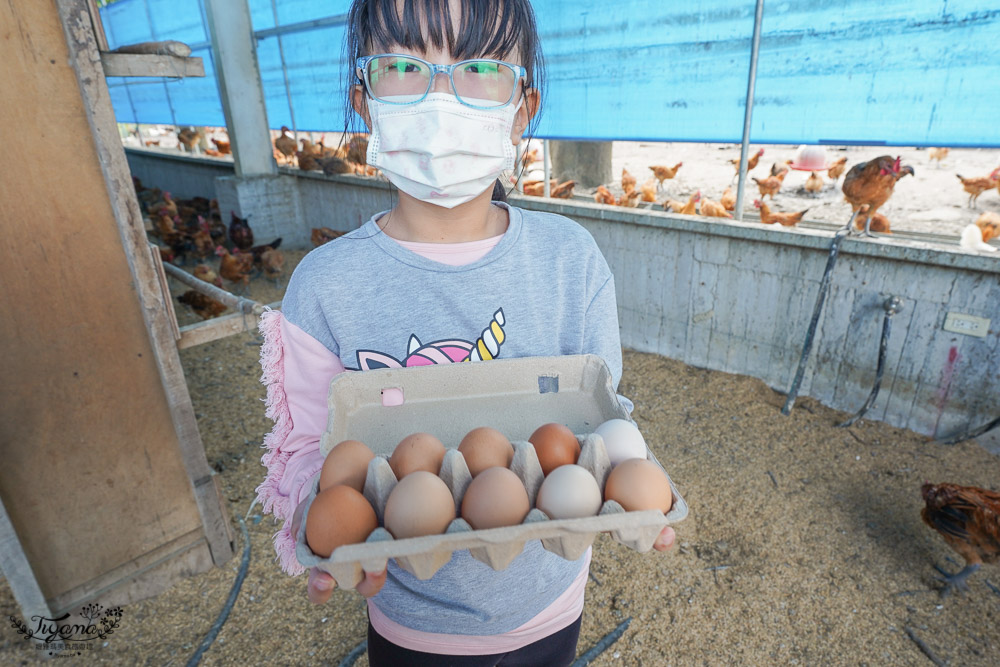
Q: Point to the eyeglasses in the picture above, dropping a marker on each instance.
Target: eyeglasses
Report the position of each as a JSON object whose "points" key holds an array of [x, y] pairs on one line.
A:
{"points": [[481, 83]]}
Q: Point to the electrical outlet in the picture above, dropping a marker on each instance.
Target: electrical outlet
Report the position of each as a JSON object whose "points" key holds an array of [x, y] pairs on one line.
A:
{"points": [[969, 325]]}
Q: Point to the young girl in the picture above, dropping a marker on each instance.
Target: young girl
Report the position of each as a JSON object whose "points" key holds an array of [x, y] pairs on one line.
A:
{"points": [[447, 89]]}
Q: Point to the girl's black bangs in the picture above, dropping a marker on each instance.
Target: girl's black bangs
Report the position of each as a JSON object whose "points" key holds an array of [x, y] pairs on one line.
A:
{"points": [[488, 28]]}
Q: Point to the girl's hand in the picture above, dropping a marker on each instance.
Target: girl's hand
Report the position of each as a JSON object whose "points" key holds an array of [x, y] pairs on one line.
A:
{"points": [[665, 540], [321, 584]]}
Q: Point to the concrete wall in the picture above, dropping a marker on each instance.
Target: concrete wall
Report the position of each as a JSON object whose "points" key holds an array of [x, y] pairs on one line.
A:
{"points": [[180, 174], [737, 297]]}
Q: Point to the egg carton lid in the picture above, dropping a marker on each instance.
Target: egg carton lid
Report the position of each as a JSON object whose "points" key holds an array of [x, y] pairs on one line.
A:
{"points": [[496, 547]]}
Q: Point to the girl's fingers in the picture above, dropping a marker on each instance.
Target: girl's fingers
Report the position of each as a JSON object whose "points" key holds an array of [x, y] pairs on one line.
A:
{"points": [[665, 540], [320, 586], [371, 584]]}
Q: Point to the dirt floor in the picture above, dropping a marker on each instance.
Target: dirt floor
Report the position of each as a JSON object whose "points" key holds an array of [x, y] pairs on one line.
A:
{"points": [[804, 543]]}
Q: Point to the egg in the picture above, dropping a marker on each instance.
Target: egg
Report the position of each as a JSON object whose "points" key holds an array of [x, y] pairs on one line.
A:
{"points": [[555, 446], [347, 463], [420, 504], [569, 492], [639, 484], [496, 497], [622, 439], [485, 447], [338, 515], [417, 451]]}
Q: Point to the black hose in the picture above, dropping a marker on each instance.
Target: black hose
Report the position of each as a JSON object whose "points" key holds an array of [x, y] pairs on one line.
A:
{"points": [[353, 656], [969, 435], [230, 601], [892, 306], [603, 645], [824, 287]]}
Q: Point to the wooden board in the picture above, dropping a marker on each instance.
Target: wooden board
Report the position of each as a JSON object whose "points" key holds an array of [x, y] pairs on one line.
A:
{"points": [[103, 465]]}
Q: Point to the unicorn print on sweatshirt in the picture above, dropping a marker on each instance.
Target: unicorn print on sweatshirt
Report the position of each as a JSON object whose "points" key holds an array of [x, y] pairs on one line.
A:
{"points": [[449, 351]]}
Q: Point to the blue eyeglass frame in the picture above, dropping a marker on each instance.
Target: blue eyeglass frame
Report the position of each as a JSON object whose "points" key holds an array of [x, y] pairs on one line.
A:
{"points": [[362, 73]]}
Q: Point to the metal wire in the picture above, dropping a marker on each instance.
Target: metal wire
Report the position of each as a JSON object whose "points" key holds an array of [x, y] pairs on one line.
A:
{"points": [[824, 287], [892, 306]]}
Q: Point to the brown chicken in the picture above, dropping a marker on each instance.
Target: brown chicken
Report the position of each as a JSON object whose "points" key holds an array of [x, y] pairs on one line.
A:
{"points": [[872, 183], [333, 165], [536, 188], [690, 208], [751, 161], [673, 205], [604, 196], [167, 202], [784, 219], [204, 306], [240, 233], [648, 190], [308, 161], [989, 225], [728, 199], [663, 173], [977, 186], [779, 168], [837, 168], [321, 235], [628, 199], [272, 263], [285, 144], [968, 519], [714, 209], [235, 267], [880, 223], [628, 181], [562, 190], [770, 185], [202, 241], [814, 183], [529, 157], [937, 154], [206, 273], [222, 146], [188, 138], [357, 149]]}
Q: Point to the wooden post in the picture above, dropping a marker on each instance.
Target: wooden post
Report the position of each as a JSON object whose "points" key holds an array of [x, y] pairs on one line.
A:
{"points": [[240, 87]]}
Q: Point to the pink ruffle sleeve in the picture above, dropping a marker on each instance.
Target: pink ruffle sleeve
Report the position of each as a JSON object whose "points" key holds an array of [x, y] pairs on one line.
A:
{"points": [[297, 370]]}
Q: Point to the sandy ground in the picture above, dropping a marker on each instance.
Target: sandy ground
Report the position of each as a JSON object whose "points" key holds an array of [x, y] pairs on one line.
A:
{"points": [[804, 543]]}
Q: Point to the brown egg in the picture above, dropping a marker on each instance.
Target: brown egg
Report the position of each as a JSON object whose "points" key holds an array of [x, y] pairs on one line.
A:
{"points": [[639, 484], [420, 504], [496, 497], [347, 463], [555, 446], [338, 515], [417, 451], [485, 447]]}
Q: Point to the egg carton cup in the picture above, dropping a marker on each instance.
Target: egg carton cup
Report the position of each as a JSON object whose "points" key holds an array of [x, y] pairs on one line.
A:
{"points": [[496, 547]]}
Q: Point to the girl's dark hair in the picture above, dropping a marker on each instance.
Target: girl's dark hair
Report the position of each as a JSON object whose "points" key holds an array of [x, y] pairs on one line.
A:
{"points": [[487, 28]]}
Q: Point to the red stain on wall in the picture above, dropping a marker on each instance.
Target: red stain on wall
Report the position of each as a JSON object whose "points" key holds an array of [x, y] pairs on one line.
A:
{"points": [[941, 398]]}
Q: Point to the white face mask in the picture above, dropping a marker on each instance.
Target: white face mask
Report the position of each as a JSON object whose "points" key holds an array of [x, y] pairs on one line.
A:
{"points": [[440, 150]]}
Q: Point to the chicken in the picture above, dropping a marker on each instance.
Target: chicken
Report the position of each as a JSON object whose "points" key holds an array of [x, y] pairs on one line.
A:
{"points": [[604, 196], [240, 233], [976, 235], [784, 219], [673, 205], [204, 306], [880, 223], [814, 183], [751, 161], [629, 199], [968, 519], [663, 173], [202, 240], [166, 203], [872, 183], [188, 138], [977, 186], [235, 267], [770, 185], [938, 154], [528, 157], [206, 273], [714, 209], [357, 149], [728, 199], [648, 190], [780, 168], [272, 263], [308, 162], [836, 169], [563, 190], [257, 252], [308, 147], [152, 142], [321, 235], [628, 181], [285, 144], [557, 190], [222, 146], [333, 165], [687, 209]]}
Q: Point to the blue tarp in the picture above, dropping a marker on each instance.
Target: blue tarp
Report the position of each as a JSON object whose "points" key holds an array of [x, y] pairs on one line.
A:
{"points": [[903, 72]]}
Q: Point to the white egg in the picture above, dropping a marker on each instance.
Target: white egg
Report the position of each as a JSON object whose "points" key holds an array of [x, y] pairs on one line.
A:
{"points": [[569, 492], [622, 440]]}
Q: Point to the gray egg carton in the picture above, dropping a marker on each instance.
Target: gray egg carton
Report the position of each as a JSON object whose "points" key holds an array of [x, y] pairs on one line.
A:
{"points": [[515, 396]]}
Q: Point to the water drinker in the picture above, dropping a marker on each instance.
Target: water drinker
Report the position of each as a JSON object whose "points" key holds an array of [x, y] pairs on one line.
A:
{"points": [[810, 158]]}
